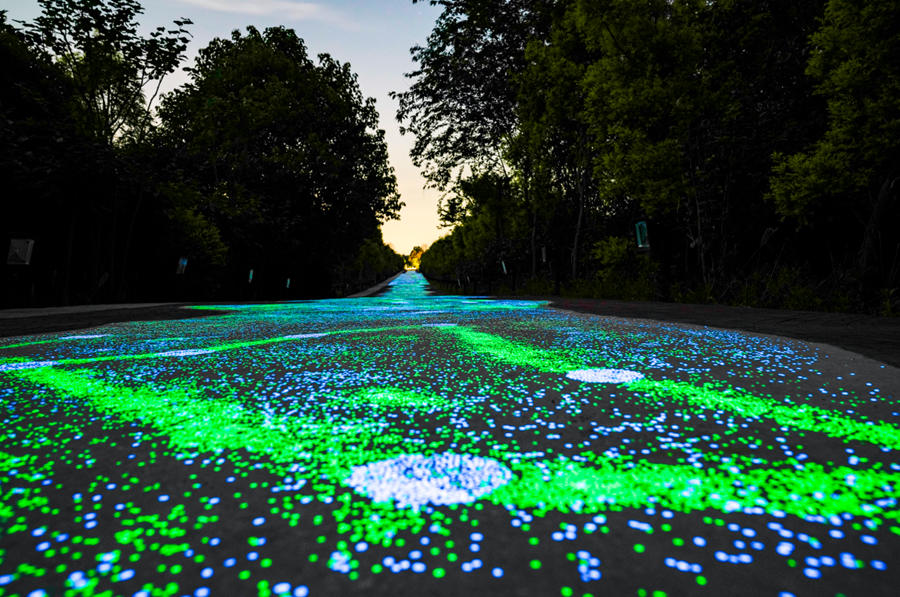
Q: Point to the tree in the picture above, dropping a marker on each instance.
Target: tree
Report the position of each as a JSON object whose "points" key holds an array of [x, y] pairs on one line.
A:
{"points": [[109, 63], [461, 104], [553, 124], [415, 256], [40, 155], [686, 100], [108, 66], [286, 155], [853, 168]]}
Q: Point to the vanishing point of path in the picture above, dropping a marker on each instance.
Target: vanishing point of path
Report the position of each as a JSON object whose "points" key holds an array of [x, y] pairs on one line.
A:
{"points": [[417, 444]]}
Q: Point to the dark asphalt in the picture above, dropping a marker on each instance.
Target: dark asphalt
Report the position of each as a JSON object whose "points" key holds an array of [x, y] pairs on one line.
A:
{"points": [[875, 337]]}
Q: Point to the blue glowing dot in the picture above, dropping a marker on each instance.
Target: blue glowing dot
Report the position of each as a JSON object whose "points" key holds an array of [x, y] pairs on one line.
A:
{"points": [[605, 375], [206, 572], [259, 520], [5, 579], [38, 593], [732, 506], [301, 591], [497, 572], [202, 592], [812, 572], [126, 574], [878, 565], [163, 498], [282, 588], [229, 562]]}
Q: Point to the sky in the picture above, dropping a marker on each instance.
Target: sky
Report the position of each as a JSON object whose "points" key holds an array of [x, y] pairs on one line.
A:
{"points": [[374, 36]]}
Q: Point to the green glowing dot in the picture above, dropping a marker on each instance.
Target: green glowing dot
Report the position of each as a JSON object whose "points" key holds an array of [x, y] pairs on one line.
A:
{"points": [[439, 573], [535, 564], [678, 541], [701, 580], [566, 591], [639, 548], [377, 568], [266, 562]]}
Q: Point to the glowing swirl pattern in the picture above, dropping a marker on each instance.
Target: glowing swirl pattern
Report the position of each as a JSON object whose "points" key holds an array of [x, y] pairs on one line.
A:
{"points": [[414, 444]]}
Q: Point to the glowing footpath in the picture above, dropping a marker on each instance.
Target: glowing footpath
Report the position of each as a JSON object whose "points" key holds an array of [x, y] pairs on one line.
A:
{"points": [[415, 443]]}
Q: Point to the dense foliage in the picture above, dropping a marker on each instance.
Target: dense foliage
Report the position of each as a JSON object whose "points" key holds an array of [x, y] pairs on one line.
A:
{"points": [[264, 161], [757, 140]]}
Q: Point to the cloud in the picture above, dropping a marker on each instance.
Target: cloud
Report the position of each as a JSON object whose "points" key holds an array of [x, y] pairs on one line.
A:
{"points": [[284, 9]]}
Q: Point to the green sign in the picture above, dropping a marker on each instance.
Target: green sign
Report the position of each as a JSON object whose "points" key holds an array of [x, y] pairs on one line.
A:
{"points": [[643, 241]]}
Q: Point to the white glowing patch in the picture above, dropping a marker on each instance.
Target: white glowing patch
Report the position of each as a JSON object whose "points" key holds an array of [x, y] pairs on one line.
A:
{"points": [[302, 336], [185, 353], [27, 365], [605, 375], [413, 480], [85, 337]]}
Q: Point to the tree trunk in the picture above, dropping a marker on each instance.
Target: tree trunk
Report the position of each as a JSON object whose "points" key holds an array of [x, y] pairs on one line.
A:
{"points": [[580, 191], [869, 253], [533, 243], [122, 290]]}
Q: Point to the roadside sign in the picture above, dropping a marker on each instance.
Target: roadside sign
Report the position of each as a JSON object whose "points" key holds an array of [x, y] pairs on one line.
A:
{"points": [[19, 251], [643, 242]]}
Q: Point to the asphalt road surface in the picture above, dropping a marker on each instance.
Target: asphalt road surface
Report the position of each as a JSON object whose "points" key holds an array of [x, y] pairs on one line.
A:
{"points": [[415, 444]]}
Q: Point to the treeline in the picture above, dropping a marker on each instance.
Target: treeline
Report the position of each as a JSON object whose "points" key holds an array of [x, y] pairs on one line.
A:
{"points": [[758, 141], [265, 176]]}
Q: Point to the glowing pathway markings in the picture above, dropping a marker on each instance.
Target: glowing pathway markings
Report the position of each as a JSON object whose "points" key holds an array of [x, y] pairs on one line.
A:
{"points": [[398, 435], [414, 480]]}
